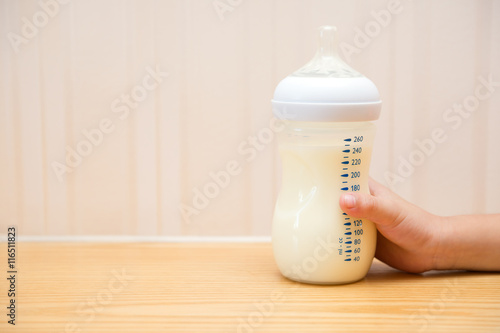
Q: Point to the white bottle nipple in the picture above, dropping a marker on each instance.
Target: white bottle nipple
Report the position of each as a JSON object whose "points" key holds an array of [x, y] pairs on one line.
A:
{"points": [[326, 62]]}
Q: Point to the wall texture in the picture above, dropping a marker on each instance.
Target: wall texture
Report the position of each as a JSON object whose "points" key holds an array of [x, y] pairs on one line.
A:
{"points": [[114, 114]]}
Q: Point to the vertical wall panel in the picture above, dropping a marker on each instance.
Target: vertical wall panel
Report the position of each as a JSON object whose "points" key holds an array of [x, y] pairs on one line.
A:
{"points": [[9, 185], [169, 30], [491, 195], [28, 128], [145, 118]]}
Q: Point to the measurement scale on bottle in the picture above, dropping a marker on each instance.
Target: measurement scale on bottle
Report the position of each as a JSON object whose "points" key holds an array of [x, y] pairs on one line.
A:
{"points": [[350, 244]]}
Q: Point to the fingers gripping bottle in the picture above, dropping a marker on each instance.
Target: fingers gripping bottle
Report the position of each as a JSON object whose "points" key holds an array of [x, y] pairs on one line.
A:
{"points": [[325, 147]]}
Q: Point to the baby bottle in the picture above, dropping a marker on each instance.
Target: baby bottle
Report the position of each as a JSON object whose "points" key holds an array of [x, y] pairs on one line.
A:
{"points": [[326, 108]]}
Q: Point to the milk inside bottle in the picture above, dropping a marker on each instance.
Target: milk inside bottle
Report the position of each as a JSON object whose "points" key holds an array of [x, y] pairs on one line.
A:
{"points": [[327, 108]]}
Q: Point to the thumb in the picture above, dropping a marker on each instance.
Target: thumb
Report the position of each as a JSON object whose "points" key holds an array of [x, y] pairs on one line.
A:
{"points": [[376, 209]]}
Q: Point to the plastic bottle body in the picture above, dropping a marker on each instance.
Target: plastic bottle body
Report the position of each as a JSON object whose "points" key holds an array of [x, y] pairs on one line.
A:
{"points": [[313, 240]]}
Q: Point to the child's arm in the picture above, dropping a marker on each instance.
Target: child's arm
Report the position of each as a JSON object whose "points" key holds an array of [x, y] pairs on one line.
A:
{"points": [[414, 240], [472, 242]]}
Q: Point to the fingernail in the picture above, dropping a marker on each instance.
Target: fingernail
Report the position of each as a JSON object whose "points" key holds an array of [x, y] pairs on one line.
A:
{"points": [[350, 200]]}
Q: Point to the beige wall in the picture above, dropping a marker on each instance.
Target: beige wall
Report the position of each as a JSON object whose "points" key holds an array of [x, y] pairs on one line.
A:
{"points": [[70, 76]]}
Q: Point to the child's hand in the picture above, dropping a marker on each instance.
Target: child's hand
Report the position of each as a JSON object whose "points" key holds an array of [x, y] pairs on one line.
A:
{"points": [[408, 237], [414, 240]]}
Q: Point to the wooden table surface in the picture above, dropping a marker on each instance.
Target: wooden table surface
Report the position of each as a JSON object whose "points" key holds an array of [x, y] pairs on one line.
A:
{"points": [[228, 287]]}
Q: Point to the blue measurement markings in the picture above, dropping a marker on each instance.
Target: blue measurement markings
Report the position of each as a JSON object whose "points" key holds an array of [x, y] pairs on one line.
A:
{"points": [[347, 223]]}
